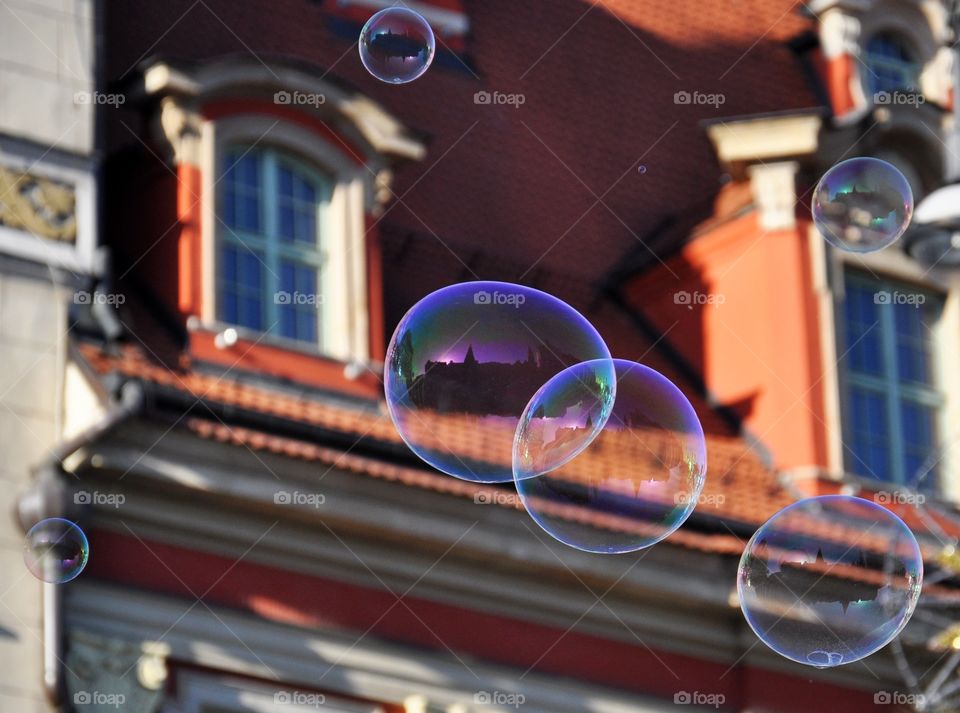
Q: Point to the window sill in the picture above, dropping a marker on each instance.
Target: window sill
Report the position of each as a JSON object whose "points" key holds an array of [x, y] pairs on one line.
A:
{"points": [[281, 358]]}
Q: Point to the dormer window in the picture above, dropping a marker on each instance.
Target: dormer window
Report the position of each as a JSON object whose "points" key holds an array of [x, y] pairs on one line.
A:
{"points": [[890, 66], [277, 207], [272, 244]]}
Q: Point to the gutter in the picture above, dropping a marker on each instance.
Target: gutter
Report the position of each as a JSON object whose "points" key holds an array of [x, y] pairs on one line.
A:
{"points": [[51, 496]]}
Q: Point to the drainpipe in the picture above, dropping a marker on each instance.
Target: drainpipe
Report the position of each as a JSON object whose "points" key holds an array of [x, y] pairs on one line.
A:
{"points": [[51, 496]]}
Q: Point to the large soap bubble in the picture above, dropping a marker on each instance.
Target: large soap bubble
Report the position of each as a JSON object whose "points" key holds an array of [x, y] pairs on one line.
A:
{"points": [[464, 362], [830, 580], [609, 477]]}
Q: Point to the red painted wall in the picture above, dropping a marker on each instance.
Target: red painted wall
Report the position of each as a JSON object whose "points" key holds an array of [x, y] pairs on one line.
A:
{"points": [[293, 598], [755, 337]]}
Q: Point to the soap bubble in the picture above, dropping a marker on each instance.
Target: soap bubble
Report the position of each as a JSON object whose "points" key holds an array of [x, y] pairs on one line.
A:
{"points": [[56, 550], [637, 465], [464, 362], [862, 205], [397, 45], [830, 580]]}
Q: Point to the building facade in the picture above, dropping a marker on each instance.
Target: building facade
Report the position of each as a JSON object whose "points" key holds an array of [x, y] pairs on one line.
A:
{"points": [[48, 257], [216, 221]]}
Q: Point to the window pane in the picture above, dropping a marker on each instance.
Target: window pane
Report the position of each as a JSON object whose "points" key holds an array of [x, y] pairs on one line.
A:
{"points": [[286, 216], [864, 335], [276, 281], [913, 356], [241, 180], [304, 190], [868, 450], [300, 311], [284, 181], [889, 66], [297, 206], [919, 442], [306, 231], [241, 287]]}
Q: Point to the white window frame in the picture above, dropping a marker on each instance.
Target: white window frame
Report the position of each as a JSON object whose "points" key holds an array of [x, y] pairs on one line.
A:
{"points": [[890, 264], [889, 385], [345, 319], [267, 241]]}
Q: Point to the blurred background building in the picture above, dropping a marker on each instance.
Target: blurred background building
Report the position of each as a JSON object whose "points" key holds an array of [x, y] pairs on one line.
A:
{"points": [[211, 219]]}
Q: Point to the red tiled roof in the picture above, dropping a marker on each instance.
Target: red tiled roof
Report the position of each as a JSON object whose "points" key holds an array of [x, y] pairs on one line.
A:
{"points": [[720, 544], [739, 488]]}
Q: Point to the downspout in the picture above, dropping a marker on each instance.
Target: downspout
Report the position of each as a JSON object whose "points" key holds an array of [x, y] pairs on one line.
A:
{"points": [[51, 496]]}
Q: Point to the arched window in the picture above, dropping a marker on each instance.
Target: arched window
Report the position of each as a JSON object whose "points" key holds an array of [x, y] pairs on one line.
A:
{"points": [[271, 246], [890, 66]]}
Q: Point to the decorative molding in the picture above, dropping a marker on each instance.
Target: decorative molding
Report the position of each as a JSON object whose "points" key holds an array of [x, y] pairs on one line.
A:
{"points": [[383, 133], [338, 663], [774, 190], [38, 205], [99, 672], [839, 34], [181, 128], [766, 138], [49, 214]]}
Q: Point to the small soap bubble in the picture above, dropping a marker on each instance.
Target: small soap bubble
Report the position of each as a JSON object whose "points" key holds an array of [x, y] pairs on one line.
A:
{"points": [[397, 45], [56, 550], [862, 205]]}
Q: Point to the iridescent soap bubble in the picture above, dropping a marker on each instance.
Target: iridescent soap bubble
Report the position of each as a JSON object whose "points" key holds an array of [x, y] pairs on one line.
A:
{"points": [[464, 362], [637, 466], [397, 45], [56, 550], [862, 205], [830, 580]]}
